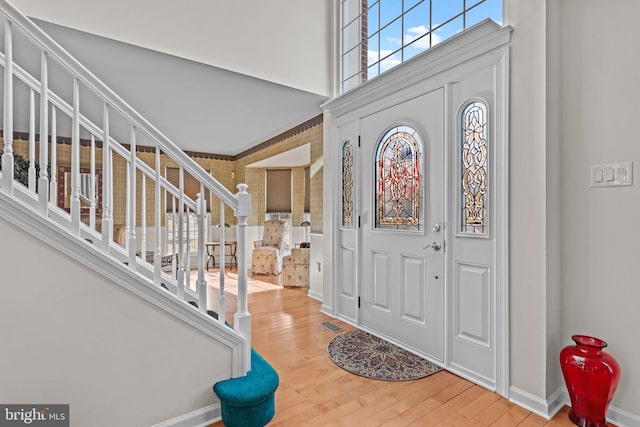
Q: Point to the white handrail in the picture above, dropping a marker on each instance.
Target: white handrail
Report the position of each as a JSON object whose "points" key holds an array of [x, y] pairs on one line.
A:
{"points": [[42, 40]]}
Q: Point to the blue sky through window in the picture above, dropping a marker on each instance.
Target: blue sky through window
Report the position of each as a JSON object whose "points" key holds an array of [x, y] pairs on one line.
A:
{"points": [[398, 30]]}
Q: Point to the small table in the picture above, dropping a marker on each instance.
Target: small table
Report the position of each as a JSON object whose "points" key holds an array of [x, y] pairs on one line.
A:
{"points": [[211, 252]]}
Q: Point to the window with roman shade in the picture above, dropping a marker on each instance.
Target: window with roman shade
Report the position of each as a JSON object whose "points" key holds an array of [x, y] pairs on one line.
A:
{"points": [[278, 194]]}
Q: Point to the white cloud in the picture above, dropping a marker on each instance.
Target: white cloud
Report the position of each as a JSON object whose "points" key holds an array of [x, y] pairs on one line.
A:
{"points": [[372, 55], [418, 35], [394, 40], [414, 33], [389, 62]]}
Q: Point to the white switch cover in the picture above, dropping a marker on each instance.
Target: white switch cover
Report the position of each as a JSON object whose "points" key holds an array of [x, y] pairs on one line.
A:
{"points": [[597, 175], [608, 174], [612, 175]]}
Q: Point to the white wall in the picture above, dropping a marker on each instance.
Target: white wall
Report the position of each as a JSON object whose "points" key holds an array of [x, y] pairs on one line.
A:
{"points": [[601, 240], [283, 41], [71, 336], [573, 248]]}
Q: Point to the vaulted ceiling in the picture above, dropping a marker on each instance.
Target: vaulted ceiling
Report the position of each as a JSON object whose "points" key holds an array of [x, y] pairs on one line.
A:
{"points": [[200, 107]]}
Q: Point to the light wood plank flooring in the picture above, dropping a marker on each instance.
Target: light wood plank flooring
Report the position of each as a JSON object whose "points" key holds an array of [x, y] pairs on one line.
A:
{"points": [[313, 391]]}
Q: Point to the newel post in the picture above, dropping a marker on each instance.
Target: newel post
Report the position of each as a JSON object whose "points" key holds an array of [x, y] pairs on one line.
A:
{"points": [[242, 317]]}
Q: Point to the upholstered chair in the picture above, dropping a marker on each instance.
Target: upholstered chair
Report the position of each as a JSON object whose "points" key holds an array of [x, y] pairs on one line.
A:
{"points": [[266, 257], [295, 268]]}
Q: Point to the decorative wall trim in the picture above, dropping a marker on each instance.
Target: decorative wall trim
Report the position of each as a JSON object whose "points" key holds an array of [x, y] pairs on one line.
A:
{"points": [[199, 418], [315, 121], [24, 136]]}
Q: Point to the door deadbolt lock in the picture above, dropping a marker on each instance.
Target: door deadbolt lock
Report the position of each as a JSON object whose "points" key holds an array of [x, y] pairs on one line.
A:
{"points": [[436, 227], [435, 246]]}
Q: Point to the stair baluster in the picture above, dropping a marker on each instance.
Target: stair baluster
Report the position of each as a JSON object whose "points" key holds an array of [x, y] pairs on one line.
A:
{"points": [[7, 155], [43, 182]]}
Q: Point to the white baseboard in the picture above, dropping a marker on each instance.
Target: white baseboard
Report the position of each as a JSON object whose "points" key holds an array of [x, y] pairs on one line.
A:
{"points": [[550, 407], [199, 418], [326, 309], [545, 408], [315, 295], [621, 418]]}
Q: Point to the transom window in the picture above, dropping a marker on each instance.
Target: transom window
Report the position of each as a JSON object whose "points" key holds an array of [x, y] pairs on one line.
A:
{"points": [[399, 180], [377, 35]]}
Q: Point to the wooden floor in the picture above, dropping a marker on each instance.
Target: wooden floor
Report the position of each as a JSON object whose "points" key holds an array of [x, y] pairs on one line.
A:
{"points": [[314, 391]]}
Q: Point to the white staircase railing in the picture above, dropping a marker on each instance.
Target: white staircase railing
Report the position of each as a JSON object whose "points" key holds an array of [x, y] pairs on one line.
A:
{"points": [[111, 173]]}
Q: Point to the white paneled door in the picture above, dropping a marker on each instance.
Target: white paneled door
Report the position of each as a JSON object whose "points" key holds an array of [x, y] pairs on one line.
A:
{"points": [[401, 188]]}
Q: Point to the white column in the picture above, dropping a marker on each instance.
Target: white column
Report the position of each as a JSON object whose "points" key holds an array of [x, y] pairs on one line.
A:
{"points": [[43, 181]]}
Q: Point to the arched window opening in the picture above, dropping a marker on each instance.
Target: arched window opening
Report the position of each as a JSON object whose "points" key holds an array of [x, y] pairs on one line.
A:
{"points": [[474, 168], [347, 184], [399, 180]]}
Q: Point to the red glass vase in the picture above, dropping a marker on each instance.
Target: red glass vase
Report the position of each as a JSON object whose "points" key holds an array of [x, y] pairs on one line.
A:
{"points": [[591, 376]]}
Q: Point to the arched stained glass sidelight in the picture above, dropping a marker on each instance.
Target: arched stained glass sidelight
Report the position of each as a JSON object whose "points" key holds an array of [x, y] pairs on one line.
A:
{"points": [[399, 180], [347, 184], [474, 168]]}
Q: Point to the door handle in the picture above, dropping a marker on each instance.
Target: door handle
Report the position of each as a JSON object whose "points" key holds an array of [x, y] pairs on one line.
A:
{"points": [[436, 246]]}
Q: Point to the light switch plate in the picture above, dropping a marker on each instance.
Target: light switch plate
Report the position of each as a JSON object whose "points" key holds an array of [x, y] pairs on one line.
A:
{"points": [[612, 175]]}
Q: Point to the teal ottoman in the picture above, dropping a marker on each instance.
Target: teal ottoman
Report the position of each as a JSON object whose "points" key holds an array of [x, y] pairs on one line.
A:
{"points": [[249, 401]]}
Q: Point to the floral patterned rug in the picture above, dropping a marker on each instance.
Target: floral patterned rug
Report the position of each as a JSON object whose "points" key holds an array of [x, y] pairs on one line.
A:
{"points": [[366, 355]]}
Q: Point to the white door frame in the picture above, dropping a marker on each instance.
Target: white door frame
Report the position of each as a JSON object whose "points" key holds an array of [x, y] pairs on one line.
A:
{"points": [[485, 43]]}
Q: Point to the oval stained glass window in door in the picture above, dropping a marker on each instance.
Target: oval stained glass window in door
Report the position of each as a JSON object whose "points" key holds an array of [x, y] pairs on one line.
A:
{"points": [[398, 180]]}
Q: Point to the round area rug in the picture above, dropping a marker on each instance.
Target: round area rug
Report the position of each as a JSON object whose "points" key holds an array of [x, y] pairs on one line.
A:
{"points": [[366, 355]]}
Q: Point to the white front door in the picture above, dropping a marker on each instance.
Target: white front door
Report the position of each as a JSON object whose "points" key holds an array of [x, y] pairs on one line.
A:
{"points": [[401, 190]]}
